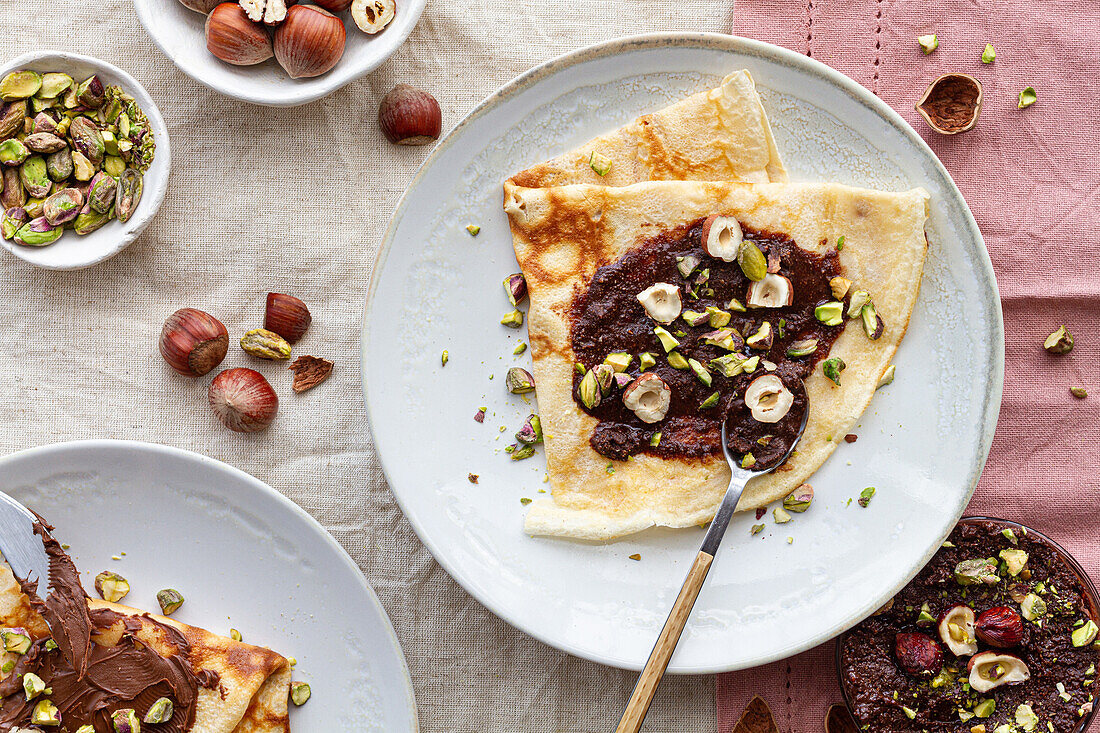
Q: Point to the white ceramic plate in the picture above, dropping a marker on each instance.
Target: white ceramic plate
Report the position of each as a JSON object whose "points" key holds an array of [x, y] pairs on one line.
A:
{"points": [[73, 252], [922, 442], [180, 33], [243, 556]]}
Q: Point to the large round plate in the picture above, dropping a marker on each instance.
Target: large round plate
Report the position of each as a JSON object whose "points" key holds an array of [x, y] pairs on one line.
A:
{"points": [[922, 442], [243, 555]]}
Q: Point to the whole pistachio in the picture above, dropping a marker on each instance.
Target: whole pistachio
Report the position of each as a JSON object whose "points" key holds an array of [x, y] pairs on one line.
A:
{"points": [[88, 221], [263, 343], [130, 187], [87, 139], [59, 165], [170, 600], [101, 193], [13, 152], [90, 92], [44, 142], [34, 177], [20, 85], [38, 233], [604, 374], [589, 390], [159, 712], [63, 206], [83, 170], [12, 115], [519, 381], [12, 193], [44, 122], [11, 221]]}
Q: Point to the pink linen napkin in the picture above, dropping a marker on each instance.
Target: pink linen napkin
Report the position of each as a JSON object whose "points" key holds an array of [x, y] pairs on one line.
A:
{"points": [[1032, 179]]}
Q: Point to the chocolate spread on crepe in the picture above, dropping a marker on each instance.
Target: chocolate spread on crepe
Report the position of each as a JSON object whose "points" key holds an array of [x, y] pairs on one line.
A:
{"points": [[89, 681]]}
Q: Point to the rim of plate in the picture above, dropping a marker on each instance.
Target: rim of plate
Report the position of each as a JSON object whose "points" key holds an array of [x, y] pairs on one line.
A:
{"points": [[261, 488], [153, 195], [769, 52], [296, 93]]}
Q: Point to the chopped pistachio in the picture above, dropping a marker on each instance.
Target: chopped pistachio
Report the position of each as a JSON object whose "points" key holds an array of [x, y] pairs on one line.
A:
{"points": [[928, 43], [736, 305], [718, 318], [515, 287], [802, 348], [1079, 392], [33, 685], [111, 586], [646, 360], [909, 712], [668, 341], [729, 365], [619, 361], [800, 499], [677, 361], [694, 318], [763, 337], [977, 570], [985, 708], [531, 432], [887, 377], [599, 163], [520, 348], [840, 243], [709, 402], [520, 381], [235, 635], [832, 369], [749, 365], [839, 287], [700, 372], [873, 324], [757, 528], [1085, 634], [924, 618], [445, 357], [473, 229], [1027, 98], [170, 600], [1059, 342], [7, 666], [687, 264], [1015, 560], [161, 711], [299, 692], [579, 368], [748, 460], [16, 640], [45, 713], [988, 54], [865, 496], [655, 439], [781, 515], [1066, 697], [525, 501], [831, 313], [513, 319]]}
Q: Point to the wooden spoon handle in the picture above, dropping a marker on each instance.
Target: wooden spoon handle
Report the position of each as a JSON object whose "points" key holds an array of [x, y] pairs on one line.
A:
{"points": [[642, 696]]}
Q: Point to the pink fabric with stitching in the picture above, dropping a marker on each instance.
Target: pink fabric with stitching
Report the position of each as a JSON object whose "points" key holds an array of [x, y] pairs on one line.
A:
{"points": [[1032, 178]]}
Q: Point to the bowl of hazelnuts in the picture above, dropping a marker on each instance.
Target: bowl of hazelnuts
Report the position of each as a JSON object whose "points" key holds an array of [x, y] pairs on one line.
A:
{"points": [[279, 53]]}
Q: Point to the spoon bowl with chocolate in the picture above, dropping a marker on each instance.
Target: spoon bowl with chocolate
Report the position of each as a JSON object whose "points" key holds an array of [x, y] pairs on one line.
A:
{"points": [[735, 427]]}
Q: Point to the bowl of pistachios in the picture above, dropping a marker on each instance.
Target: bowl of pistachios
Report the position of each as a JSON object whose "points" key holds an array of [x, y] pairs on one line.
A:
{"points": [[84, 159]]}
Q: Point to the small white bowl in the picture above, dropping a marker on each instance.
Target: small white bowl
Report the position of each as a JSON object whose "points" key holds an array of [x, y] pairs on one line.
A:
{"points": [[73, 252], [181, 34]]}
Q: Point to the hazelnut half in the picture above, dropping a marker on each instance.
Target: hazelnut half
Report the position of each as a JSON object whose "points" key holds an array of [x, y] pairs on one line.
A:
{"points": [[235, 39], [662, 302], [268, 12], [774, 291], [648, 397], [721, 237], [372, 16], [956, 629], [768, 399], [989, 670], [310, 42], [952, 103], [410, 116]]}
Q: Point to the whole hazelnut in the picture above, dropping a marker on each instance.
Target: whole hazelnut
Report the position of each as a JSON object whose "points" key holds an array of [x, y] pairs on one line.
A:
{"points": [[410, 116], [243, 400], [200, 6], [334, 6], [193, 342], [287, 316], [235, 39], [1000, 626], [310, 42], [918, 654]]}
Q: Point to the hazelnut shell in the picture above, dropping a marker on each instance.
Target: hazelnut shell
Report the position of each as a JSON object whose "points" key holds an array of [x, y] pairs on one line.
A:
{"points": [[954, 94], [193, 342]]}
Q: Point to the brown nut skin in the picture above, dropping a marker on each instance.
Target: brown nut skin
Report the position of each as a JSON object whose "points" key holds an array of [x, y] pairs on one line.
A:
{"points": [[243, 400], [1000, 627], [309, 42], [918, 654], [235, 39], [410, 116], [287, 316], [334, 6], [193, 342]]}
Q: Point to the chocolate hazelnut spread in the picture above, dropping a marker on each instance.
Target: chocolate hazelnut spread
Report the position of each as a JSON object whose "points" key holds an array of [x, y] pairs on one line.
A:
{"points": [[87, 680], [608, 318]]}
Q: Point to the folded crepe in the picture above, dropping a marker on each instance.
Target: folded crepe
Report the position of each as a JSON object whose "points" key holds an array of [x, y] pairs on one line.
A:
{"points": [[721, 134], [216, 684], [562, 235]]}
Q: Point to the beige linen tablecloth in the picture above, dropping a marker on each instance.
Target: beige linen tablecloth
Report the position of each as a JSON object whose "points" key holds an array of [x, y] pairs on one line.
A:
{"points": [[296, 201]]}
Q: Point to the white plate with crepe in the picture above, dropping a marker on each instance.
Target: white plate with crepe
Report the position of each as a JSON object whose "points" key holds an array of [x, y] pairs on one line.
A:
{"points": [[922, 442], [243, 556]]}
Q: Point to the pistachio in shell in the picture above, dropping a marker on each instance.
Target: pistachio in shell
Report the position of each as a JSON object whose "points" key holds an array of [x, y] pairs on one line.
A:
{"points": [[87, 140], [11, 221], [63, 206], [12, 115], [128, 195], [59, 165], [44, 142], [20, 85], [90, 93], [38, 233], [13, 152], [101, 193], [34, 177], [54, 84], [12, 193]]}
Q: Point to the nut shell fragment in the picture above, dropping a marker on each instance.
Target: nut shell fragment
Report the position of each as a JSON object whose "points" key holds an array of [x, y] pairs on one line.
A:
{"points": [[309, 371], [952, 103]]}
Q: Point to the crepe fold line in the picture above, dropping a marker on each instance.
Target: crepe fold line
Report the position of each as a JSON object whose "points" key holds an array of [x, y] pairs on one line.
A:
{"points": [[720, 134], [254, 682], [563, 234]]}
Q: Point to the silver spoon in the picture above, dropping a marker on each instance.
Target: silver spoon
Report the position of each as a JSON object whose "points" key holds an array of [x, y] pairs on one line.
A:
{"points": [[640, 699]]}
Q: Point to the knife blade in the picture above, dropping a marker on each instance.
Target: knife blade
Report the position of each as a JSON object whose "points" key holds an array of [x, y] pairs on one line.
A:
{"points": [[22, 548]]}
